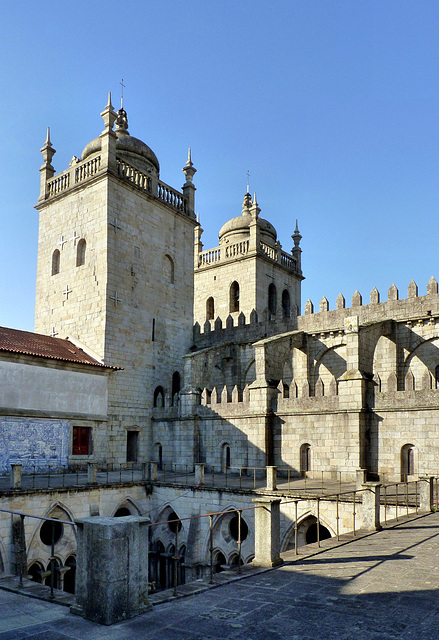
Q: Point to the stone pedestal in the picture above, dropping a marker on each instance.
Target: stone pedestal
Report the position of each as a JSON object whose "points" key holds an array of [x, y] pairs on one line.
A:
{"points": [[92, 470], [425, 489], [271, 478], [112, 568], [361, 478], [199, 473], [267, 532], [153, 471], [16, 470], [371, 506]]}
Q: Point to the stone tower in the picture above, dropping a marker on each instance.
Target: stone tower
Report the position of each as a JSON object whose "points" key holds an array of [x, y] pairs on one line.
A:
{"points": [[115, 274], [247, 271]]}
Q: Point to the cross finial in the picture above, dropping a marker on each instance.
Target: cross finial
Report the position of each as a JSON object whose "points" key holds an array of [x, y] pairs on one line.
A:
{"points": [[121, 93], [248, 181]]}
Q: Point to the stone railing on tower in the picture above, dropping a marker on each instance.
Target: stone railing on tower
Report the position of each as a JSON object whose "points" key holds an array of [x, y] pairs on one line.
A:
{"points": [[135, 176], [77, 173], [170, 196], [241, 249]]}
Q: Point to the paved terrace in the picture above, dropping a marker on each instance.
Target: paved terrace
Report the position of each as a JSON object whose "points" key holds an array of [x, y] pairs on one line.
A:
{"points": [[381, 586]]}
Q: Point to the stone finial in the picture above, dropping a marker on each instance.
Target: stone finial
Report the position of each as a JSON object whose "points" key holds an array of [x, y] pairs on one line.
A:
{"points": [[412, 291], [229, 322], [246, 204], [432, 286], [241, 319], [374, 296], [392, 293], [357, 300], [426, 381], [218, 324], [122, 121], [108, 115], [296, 235], [189, 169], [392, 383], [47, 150], [293, 389], [324, 305], [309, 307], [255, 209], [340, 301]]}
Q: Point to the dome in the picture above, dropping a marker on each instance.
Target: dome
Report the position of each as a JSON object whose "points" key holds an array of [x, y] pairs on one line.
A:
{"points": [[241, 225], [127, 145]]}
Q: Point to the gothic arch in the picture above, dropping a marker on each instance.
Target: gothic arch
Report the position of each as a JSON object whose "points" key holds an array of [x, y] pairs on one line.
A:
{"points": [[286, 304], [210, 308], [250, 373], [330, 365], [384, 360], [272, 299], [159, 397], [422, 360], [130, 504], [304, 522]]}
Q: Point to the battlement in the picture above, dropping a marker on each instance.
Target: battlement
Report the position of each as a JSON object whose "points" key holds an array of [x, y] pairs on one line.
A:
{"points": [[237, 329], [394, 308]]}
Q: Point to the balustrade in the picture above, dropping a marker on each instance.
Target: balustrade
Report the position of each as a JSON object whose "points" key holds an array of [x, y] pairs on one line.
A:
{"points": [[87, 169], [58, 184], [135, 176], [171, 197]]}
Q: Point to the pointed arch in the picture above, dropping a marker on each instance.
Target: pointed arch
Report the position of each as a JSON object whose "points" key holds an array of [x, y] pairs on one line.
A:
{"points": [[286, 304], [210, 308], [272, 299], [168, 269]]}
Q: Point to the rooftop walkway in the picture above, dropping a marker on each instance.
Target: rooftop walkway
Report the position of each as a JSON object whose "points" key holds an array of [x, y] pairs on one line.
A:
{"points": [[381, 586]]}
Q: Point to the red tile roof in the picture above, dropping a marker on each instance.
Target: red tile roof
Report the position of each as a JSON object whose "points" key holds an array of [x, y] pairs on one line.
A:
{"points": [[36, 344]]}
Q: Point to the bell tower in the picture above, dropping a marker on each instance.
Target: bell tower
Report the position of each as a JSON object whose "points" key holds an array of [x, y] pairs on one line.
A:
{"points": [[115, 269]]}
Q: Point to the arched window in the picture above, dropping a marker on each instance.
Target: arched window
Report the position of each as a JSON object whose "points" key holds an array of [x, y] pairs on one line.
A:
{"points": [[158, 455], [80, 253], [407, 461], [210, 309], [225, 456], [305, 459], [55, 262], [436, 377], [286, 306], [175, 387], [168, 269], [159, 397], [70, 575], [272, 299], [234, 297]]}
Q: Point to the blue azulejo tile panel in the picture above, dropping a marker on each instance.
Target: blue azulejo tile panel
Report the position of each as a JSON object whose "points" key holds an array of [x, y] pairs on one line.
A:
{"points": [[33, 442]]}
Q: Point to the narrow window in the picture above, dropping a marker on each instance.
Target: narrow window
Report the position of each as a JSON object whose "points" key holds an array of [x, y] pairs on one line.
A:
{"points": [[158, 454], [407, 461], [286, 306], [153, 330], [175, 387], [226, 457], [168, 269], [132, 444], [55, 262], [81, 443], [234, 297], [159, 397], [80, 253], [305, 459], [210, 309], [272, 299]]}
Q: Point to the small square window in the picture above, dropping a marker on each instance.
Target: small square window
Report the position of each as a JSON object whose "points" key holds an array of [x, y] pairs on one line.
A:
{"points": [[81, 443]]}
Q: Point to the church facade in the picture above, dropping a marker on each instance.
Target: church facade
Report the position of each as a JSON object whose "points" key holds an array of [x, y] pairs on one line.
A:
{"points": [[219, 365]]}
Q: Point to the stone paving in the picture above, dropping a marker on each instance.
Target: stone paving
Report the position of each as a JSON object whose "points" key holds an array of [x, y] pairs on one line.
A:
{"points": [[380, 587]]}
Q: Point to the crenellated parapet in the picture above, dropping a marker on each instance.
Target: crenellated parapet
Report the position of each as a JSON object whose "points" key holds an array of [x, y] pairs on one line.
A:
{"points": [[377, 310]]}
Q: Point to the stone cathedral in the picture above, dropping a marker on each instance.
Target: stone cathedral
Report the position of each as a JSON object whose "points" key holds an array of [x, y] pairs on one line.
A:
{"points": [[150, 347]]}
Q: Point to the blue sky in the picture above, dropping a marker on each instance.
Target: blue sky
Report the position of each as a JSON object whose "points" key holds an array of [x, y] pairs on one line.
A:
{"points": [[332, 105]]}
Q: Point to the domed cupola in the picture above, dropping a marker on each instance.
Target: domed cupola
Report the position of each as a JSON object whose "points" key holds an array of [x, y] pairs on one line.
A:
{"points": [[238, 228], [130, 149]]}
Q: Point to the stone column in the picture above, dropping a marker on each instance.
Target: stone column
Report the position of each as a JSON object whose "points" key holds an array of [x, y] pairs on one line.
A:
{"points": [[199, 473], [271, 478], [112, 568], [267, 532], [16, 470], [92, 469], [425, 491], [371, 506]]}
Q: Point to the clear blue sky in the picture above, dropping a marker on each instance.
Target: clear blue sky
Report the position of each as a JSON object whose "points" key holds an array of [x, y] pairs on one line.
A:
{"points": [[333, 106]]}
